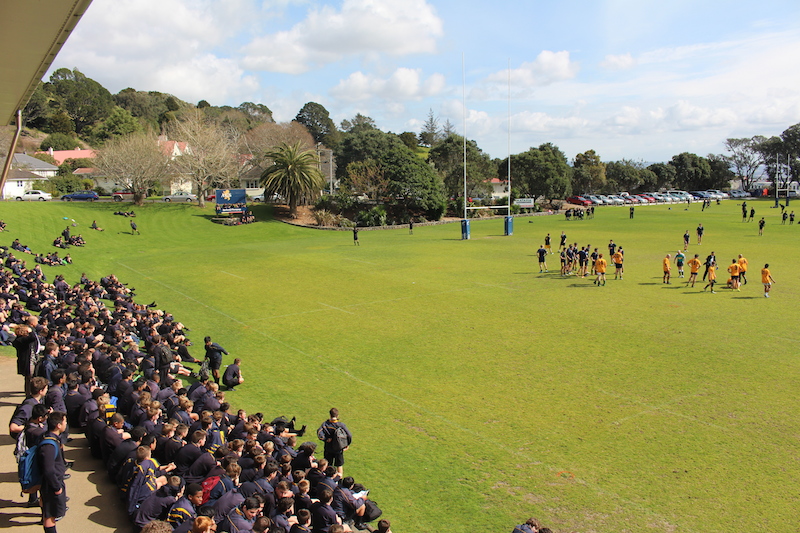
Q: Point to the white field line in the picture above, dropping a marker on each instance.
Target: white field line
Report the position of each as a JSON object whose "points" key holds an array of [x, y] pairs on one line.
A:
{"points": [[359, 261], [661, 407], [337, 308], [234, 275], [469, 431]]}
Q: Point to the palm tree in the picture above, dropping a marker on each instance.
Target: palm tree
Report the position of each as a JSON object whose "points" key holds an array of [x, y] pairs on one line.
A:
{"points": [[294, 174]]}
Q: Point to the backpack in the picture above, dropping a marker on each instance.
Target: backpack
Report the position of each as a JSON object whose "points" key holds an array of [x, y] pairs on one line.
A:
{"points": [[208, 485], [371, 511], [340, 438], [29, 469]]}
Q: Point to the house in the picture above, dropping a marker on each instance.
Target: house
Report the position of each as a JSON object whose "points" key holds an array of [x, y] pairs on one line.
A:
{"points": [[24, 171], [18, 182], [499, 188], [62, 155]]}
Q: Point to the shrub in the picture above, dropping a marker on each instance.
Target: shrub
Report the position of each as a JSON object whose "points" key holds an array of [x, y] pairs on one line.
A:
{"points": [[374, 217]]}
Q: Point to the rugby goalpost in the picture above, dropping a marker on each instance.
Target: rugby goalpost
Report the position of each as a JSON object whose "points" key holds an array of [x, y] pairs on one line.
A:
{"points": [[508, 225]]}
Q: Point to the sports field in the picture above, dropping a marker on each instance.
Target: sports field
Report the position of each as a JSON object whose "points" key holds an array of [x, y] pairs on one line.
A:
{"points": [[479, 391]]}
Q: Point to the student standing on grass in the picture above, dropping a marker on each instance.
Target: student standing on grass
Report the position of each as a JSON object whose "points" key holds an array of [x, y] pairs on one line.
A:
{"points": [[712, 278], [694, 268], [766, 279], [667, 263], [542, 252], [214, 357], [761, 226], [411, 226], [600, 267], [700, 231], [752, 214], [679, 259], [355, 237], [742, 270], [134, 228], [686, 240], [337, 439], [617, 260], [547, 244], [710, 260], [734, 272], [563, 243]]}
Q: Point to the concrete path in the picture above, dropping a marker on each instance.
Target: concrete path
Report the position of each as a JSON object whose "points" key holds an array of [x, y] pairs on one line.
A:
{"points": [[94, 504]]}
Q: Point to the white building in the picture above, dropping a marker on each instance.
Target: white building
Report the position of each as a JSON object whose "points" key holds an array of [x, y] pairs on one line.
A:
{"points": [[24, 171]]}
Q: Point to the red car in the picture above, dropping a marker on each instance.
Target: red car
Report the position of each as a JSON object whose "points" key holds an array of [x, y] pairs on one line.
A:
{"points": [[579, 200]]}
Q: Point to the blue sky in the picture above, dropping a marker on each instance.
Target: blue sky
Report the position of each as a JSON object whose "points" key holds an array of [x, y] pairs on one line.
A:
{"points": [[640, 80]]}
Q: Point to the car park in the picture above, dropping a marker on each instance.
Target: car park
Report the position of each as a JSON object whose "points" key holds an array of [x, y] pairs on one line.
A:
{"points": [[721, 195], [594, 199], [615, 200], [89, 196], [647, 198], [34, 195], [181, 196], [579, 200]]}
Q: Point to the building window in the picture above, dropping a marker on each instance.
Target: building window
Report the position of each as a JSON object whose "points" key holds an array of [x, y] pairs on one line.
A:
{"points": [[19, 184], [251, 184]]}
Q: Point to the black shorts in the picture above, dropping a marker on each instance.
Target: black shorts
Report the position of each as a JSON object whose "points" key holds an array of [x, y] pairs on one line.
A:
{"points": [[735, 278], [54, 505], [335, 458], [680, 264], [618, 265], [214, 363]]}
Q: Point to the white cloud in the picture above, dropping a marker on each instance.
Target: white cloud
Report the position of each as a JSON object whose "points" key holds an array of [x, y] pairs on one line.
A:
{"points": [[618, 62], [404, 84], [360, 28], [547, 69]]}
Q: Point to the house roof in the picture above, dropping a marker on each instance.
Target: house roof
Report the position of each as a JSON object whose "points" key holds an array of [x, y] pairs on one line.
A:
{"points": [[62, 155], [17, 174], [35, 31], [30, 163], [84, 171]]}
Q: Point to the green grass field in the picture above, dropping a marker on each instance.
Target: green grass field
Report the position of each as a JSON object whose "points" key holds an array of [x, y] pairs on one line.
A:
{"points": [[481, 392]]}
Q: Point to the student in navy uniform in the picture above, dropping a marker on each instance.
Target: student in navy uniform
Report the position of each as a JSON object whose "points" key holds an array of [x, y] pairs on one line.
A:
{"points": [[233, 375], [334, 451], [54, 472], [214, 355], [323, 515]]}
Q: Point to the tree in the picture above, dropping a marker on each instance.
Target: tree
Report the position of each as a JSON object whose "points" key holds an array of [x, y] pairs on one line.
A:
{"points": [[60, 123], [83, 99], [257, 113], [358, 123], [540, 172], [413, 185], [135, 162], [628, 175], [448, 129], [665, 174], [447, 158], [692, 172], [409, 139], [367, 177], [202, 104], [294, 174], [37, 110], [58, 141], [319, 124], [589, 172], [119, 122], [721, 173], [430, 133], [745, 159], [211, 158]]}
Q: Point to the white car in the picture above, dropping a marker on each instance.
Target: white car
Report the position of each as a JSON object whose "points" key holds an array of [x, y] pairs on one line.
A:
{"points": [[31, 195], [616, 200], [181, 196]]}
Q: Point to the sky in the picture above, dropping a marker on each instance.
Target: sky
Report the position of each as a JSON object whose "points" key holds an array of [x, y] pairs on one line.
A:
{"points": [[632, 79]]}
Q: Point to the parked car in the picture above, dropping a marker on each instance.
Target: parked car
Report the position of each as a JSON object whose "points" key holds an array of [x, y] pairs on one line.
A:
{"points": [[616, 200], [594, 199], [579, 200], [89, 196], [181, 196], [721, 195], [119, 196], [647, 198], [32, 195]]}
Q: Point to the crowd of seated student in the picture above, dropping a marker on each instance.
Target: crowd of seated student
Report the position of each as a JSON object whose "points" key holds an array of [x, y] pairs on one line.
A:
{"points": [[130, 213], [2, 225], [180, 456], [16, 245]]}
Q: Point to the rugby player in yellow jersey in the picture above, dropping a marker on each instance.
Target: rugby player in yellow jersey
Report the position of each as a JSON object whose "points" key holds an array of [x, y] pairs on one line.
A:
{"points": [[712, 278], [694, 266], [600, 268], [742, 270], [617, 259], [766, 279], [734, 271], [667, 262]]}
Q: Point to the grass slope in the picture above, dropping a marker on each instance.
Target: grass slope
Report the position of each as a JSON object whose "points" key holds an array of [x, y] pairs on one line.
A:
{"points": [[479, 391]]}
